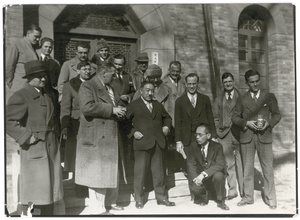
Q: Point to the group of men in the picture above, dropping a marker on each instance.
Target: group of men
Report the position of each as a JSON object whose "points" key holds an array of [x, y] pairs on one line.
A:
{"points": [[100, 110]]}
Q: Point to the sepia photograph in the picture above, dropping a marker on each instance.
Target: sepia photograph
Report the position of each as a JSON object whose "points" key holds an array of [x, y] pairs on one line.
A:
{"points": [[149, 110]]}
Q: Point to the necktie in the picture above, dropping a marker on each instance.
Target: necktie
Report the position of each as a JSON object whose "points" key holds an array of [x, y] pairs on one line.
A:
{"points": [[229, 96], [203, 152], [149, 105], [255, 98], [193, 101], [111, 94]]}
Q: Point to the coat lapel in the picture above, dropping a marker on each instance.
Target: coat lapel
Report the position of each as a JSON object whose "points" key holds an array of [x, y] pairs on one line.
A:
{"points": [[161, 93], [198, 103], [102, 92], [210, 153], [187, 104], [31, 49]]}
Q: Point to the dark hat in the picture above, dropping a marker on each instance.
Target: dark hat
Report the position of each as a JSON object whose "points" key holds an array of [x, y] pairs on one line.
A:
{"points": [[154, 71], [143, 57], [33, 67], [102, 44]]}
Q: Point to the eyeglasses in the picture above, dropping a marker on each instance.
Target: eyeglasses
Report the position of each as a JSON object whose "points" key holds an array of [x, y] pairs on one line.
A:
{"points": [[199, 134]]}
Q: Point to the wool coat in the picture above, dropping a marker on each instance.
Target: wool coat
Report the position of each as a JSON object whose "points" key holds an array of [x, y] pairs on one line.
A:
{"points": [[17, 54], [176, 92], [70, 114], [30, 113], [99, 145]]}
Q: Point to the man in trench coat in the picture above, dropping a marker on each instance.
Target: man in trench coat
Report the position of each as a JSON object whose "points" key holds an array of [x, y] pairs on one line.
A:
{"points": [[99, 146], [30, 122]]}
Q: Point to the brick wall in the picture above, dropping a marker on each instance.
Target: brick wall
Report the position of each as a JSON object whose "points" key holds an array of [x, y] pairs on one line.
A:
{"points": [[191, 50], [13, 18]]}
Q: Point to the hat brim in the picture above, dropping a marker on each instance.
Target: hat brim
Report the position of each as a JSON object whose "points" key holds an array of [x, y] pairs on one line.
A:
{"points": [[35, 73]]}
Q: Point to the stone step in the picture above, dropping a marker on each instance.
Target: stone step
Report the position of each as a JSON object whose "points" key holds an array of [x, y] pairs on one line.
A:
{"points": [[176, 184]]}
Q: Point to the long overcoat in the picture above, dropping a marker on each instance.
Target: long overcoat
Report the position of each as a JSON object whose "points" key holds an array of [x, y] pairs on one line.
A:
{"points": [[30, 113], [99, 145]]}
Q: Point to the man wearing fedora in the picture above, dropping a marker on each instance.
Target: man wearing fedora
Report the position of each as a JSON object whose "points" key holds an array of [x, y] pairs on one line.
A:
{"points": [[102, 56], [139, 70], [30, 122]]}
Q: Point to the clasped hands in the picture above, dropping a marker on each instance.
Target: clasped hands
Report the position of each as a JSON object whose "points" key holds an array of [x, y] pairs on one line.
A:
{"points": [[138, 135], [253, 125], [198, 180]]}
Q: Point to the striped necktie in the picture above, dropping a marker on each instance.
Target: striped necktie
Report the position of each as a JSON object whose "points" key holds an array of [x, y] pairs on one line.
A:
{"points": [[111, 94]]}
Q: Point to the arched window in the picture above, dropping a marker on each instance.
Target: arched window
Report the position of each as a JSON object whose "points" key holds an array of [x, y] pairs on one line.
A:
{"points": [[253, 44]]}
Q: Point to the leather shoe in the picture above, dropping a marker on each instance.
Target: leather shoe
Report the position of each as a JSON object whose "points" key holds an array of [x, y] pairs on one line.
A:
{"points": [[115, 207], [165, 202], [223, 206], [231, 197], [272, 206], [243, 203], [139, 205]]}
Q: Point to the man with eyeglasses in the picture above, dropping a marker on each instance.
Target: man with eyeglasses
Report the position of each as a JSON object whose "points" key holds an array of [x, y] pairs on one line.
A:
{"points": [[191, 109], [70, 115], [69, 68], [206, 167], [228, 135]]}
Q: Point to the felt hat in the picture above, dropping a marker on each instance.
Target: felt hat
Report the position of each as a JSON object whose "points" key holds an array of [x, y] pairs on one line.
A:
{"points": [[34, 67], [102, 44], [153, 71], [143, 57]]}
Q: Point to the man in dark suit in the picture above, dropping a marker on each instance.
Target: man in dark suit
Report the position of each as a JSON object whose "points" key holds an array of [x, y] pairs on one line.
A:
{"points": [[151, 123], [138, 72], [256, 113], [228, 135], [191, 109], [206, 166]]}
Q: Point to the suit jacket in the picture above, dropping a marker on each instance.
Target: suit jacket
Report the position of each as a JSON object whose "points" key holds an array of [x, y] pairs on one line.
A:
{"points": [[219, 111], [99, 145], [183, 122], [29, 113], [69, 71], [124, 86], [149, 124], [17, 54], [162, 94], [215, 160], [53, 68], [246, 109]]}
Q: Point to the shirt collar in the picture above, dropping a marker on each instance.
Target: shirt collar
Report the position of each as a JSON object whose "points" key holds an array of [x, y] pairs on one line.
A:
{"points": [[231, 94], [257, 94], [145, 101], [190, 95]]}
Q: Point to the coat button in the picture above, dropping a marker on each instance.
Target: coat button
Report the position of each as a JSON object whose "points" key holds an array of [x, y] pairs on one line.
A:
{"points": [[103, 137], [103, 122]]}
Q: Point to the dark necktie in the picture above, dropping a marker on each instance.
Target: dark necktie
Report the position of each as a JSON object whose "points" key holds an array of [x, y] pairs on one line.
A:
{"points": [[229, 96], [111, 94]]}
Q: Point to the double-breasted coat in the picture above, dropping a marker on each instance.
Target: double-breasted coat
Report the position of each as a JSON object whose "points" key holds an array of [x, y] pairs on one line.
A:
{"points": [[70, 115], [31, 113], [99, 145]]}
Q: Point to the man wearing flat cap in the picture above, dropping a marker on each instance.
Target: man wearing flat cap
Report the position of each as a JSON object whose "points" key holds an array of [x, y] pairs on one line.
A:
{"points": [[102, 56], [139, 70], [30, 122]]}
